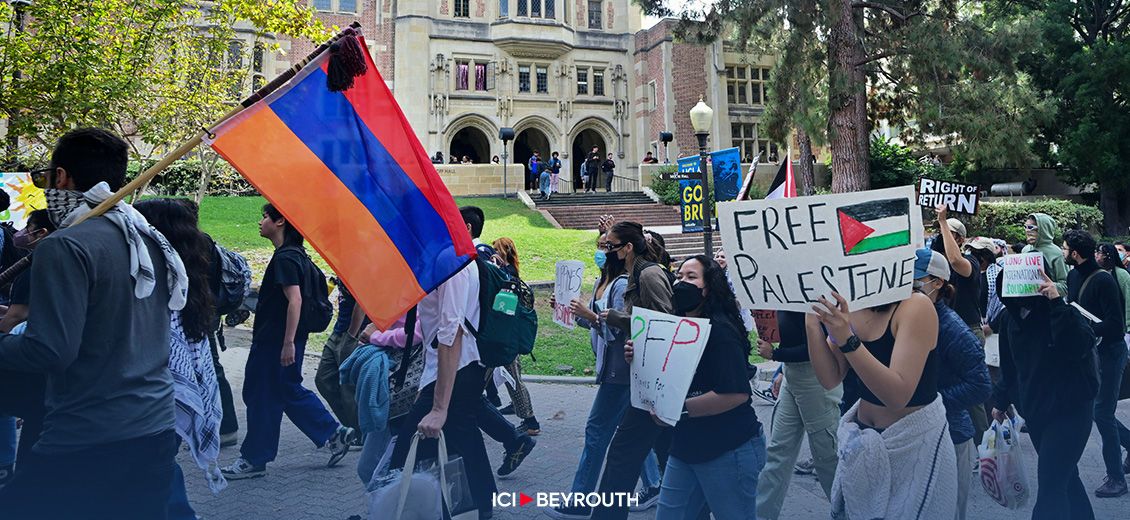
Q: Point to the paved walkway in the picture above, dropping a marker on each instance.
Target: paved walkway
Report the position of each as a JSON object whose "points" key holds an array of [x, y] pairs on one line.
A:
{"points": [[298, 485]]}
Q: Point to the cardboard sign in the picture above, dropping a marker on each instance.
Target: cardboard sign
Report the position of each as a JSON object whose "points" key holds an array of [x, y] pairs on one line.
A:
{"points": [[690, 194], [24, 195], [767, 328], [726, 168], [957, 196], [1023, 275], [667, 351], [570, 275], [787, 253]]}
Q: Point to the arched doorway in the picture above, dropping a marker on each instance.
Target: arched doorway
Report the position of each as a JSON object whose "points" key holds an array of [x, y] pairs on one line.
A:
{"points": [[473, 143], [529, 141], [582, 149]]}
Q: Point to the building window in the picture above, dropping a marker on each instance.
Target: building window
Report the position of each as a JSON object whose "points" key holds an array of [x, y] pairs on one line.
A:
{"points": [[480, 76], [523, 78], [523, 8], [462, 8], [594, 14], [543, 79], [257, 58], [462, 73], [503, 8], [550, 12], [582, 81], [257, 82], [744, 137], [746, 85], [323, 5], [768, 150], [598, 82], [535, 8], [652, 96], [347, 6], [235, 55]]}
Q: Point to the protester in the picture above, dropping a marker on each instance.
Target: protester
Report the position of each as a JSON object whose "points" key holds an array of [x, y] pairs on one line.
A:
{"points": [[196, 391], [520, 403], [717, 447], [466, 160], [1107, 256], [534, 172], [438, 158], [964, 268], [1048, 371], [1097, 292], [343, 340], [985, 254], [891, 441], [963, 379], [272, 383], [494, 159], [613, 377], [591, 170], [803, 407], [38, 227], [545, 181], [609, 169], [1040, 231], [554, 166], [649, 288], [98, 328], [1123, 254]]}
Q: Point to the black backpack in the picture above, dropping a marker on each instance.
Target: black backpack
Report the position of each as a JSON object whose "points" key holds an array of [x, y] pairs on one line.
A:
{"points": [[233, 280], [317, 312], [11, 253]]}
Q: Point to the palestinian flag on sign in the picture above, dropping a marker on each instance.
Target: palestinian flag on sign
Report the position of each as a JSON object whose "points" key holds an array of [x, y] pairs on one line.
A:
{"points": [[874, 226], [784, 185]]}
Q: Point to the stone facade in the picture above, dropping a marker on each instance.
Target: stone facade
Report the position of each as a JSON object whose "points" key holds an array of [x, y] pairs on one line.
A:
{"points": [[480, 179]]}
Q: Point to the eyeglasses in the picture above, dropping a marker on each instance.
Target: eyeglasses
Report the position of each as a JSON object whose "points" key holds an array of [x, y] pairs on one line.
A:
{"points": [[1030, 227], [41, 178], [613, 247]]}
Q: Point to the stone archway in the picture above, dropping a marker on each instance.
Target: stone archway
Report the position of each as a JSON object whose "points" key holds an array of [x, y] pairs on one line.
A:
{"points": [[590, 132], [470, 135], [525, 144]]}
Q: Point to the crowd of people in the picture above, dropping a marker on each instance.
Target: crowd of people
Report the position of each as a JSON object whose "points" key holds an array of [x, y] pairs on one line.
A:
{"points": [[109, 357]]}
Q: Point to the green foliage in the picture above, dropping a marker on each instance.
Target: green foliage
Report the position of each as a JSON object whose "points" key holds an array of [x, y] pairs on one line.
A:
{"points": [[1005, 219], [893, 165], [667, 190]]}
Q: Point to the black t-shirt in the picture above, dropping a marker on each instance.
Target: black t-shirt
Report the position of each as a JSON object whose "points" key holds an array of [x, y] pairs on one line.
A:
{"points": [[286, 268], [21, 289], [968, 290], [722, 369]]}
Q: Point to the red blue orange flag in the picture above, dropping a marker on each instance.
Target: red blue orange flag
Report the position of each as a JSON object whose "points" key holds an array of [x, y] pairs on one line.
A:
{"points": [[347, 171]]}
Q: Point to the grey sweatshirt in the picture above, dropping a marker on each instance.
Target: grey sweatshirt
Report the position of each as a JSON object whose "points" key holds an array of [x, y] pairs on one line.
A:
{"points": [[105, 352]]}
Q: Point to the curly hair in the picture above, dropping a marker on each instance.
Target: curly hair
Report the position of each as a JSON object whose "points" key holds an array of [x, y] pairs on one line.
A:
{"points": [[177, 222], [508, 251], [719, 299]]}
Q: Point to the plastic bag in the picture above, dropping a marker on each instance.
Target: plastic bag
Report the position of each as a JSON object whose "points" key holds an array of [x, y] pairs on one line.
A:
{"points": [[431, 490], [1002, 465]]}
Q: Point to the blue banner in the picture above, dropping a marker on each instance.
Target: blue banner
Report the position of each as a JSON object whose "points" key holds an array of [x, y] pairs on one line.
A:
{"points": [[691, 195], [726, 171]]}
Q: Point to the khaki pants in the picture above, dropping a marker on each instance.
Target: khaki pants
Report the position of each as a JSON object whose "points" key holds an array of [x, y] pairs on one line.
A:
{"points": [[966, 452], [342, 399]]}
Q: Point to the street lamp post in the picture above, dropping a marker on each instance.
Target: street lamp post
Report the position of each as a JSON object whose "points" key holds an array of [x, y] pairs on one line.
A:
{"points": [[506, 134], [13, 147], [702, 116]]}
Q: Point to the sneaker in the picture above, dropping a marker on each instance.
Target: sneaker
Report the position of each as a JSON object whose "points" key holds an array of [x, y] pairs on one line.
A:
{"points": [[507, 410], [805, 467], [647, 500], [241, 469], [766, 394], [513, 459], [229, 439], [530, 427], [339, 444], [569, 513], [1111, 488]]}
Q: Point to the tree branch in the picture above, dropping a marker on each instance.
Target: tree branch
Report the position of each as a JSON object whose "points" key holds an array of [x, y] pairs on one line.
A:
{"points": [[887, 8], [878, 56]]}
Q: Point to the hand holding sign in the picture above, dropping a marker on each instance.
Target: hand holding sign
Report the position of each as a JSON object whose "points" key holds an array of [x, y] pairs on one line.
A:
{"points": [[1023, 275], [835, 317], [664, 354], [1048, 288], [570, 275]]}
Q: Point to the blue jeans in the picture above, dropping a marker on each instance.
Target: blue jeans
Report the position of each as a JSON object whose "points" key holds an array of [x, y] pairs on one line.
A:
{"points": [[607, 409], [269, 390], [728, 484], [7, 440], [1115, 436]]}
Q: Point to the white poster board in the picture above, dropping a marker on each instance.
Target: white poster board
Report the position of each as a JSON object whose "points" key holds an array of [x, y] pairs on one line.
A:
{"points": [[570, 275], [1023, 275], [667, 351], [25, 198], [784, 254]]}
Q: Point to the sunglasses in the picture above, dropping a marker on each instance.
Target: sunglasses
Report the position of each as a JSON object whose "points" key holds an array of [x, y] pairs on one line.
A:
{"points": [[41, 178], [1030, 227], [613, 247]]}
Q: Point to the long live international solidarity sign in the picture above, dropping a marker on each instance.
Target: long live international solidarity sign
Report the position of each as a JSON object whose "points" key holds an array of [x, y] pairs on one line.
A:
{"points": [[957, 196], [667, 351], [786, 253], [1023, 275]]}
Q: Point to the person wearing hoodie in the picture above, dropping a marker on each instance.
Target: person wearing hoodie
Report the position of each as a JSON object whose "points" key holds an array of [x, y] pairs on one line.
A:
{"points": [[1040, 230]]}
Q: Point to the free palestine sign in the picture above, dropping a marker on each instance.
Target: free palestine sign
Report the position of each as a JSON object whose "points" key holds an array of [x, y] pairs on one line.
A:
{"points": [[787, 253]]}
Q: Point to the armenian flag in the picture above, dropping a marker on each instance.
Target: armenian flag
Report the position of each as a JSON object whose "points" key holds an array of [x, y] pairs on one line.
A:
{"points": [[347, 171]]}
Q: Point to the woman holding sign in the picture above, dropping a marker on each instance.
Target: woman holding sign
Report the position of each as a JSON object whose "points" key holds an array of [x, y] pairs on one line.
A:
{"points": [[896, 458], [717, 448]]}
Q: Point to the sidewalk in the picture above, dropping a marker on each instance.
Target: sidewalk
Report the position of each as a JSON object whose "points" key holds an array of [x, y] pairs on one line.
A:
{"points": [[298, 486]]}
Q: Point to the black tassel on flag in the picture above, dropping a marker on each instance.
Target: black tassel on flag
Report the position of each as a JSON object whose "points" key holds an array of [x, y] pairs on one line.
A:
{"points": [[347, 61]]}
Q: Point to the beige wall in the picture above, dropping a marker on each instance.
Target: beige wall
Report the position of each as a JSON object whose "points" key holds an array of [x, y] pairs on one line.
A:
{"points": [[480, 179]]}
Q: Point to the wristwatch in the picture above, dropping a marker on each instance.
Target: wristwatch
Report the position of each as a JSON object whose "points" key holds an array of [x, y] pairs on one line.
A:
{"points": [[850, 345]]}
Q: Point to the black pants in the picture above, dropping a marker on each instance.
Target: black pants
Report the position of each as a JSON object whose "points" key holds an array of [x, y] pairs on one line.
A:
{"points": [[128, 479], [634, 438], [461, 432], [21, 395], [492, 423], [1060, 440], [229, 423]]}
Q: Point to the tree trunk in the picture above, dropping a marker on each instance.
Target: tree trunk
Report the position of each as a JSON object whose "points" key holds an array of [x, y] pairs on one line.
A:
{"points": [[807, 175], [207, 164], [1114, 201], [847, 103]]}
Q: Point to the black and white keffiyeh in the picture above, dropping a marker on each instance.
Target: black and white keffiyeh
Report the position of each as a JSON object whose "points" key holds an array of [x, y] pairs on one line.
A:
{"points": [[197, 396]]}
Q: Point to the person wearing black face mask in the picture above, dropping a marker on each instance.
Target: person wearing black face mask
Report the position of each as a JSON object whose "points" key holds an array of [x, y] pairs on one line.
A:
{"points": [[717, 448]]}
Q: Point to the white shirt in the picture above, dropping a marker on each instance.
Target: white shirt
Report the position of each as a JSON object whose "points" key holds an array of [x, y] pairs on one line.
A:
{"points": [[443, 312]]}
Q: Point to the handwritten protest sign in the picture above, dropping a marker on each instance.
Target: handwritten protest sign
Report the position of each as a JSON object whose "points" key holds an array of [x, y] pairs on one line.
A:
{"points": [[570, 274], [667, 351], [767, 328], [24, 195], [1023, 274], [690, 194], [786, 253], [957, 196]]}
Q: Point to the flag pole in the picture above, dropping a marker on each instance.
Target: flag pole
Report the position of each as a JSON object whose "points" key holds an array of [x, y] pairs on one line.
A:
{"points": [[137, 185]]}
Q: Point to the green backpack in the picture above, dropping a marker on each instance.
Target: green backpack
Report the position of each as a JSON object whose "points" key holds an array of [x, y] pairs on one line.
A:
{"points": [[508, 324]]}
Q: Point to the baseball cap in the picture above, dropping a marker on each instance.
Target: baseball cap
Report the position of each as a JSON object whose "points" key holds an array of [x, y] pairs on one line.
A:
{"points": [[930, 263], [982, 243], [956, 226]]}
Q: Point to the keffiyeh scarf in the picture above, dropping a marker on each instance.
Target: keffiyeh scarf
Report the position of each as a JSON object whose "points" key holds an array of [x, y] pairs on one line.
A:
{"points": [[197, 396]]}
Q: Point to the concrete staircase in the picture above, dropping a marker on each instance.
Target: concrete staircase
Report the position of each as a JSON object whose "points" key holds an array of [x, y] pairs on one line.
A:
{"points": [[582, 210], [680, 245]]}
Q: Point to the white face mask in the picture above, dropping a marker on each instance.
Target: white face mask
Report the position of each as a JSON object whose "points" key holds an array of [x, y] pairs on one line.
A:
{"points": [[920, 285]]}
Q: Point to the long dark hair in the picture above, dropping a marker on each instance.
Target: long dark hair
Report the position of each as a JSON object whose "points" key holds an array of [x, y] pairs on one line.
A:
{"points": [[1110, 257], [177, 222], [631, 233], [719, 299], [291, 236], [613, 267]]}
